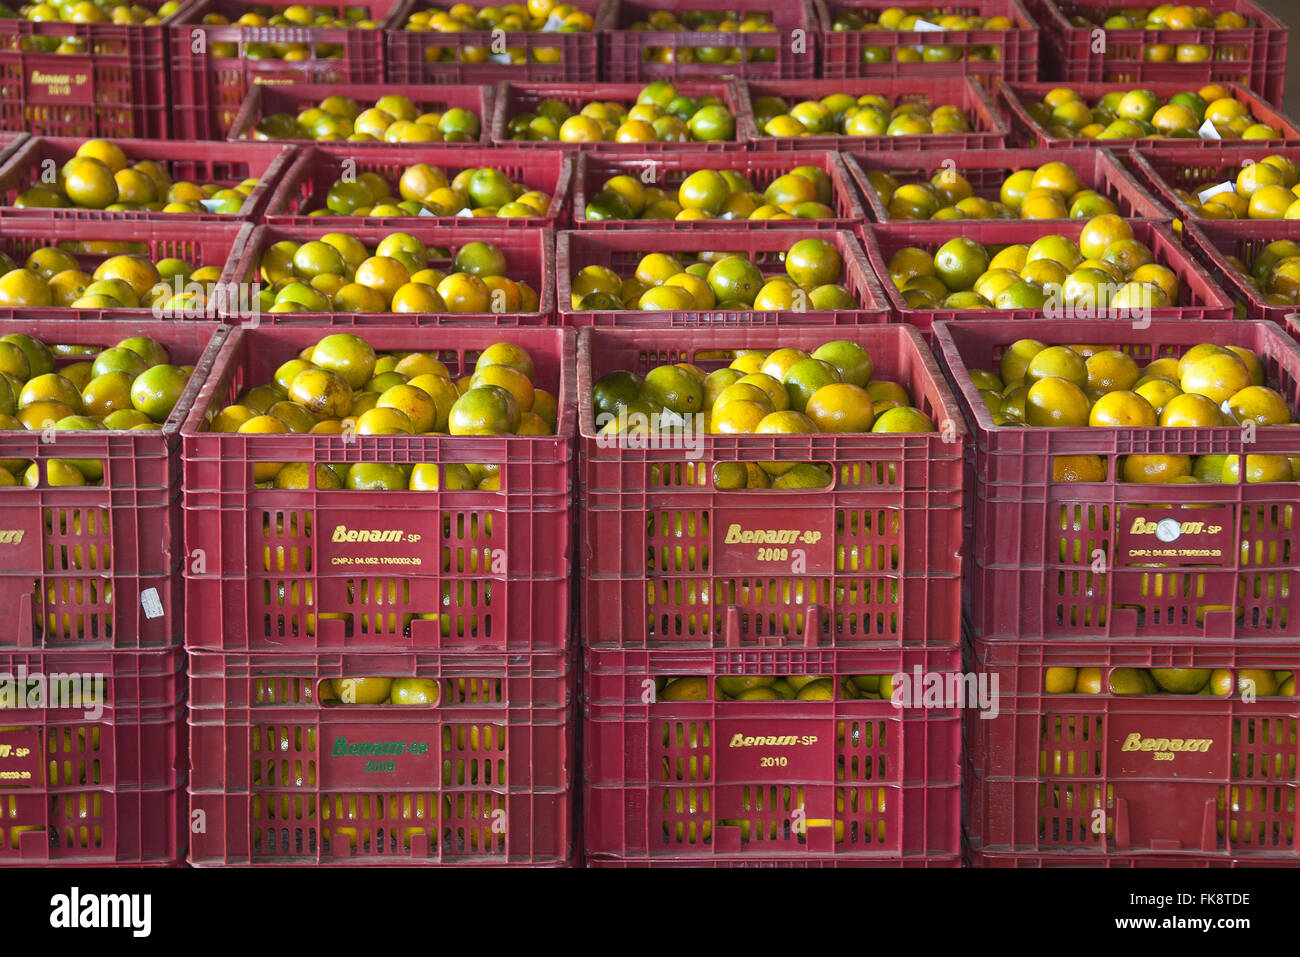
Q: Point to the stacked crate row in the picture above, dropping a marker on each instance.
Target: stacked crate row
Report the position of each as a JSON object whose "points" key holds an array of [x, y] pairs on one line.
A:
{"points": [[187, 73], [93, 755], [303, 591]]}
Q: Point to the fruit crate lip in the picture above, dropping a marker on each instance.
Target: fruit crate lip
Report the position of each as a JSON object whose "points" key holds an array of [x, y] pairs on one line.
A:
{"points": [[267, 161], [554, 170], [1157, 166], [982, 858], [229, 362], [1211, 302], [52, 231], [1014, 95], [477, 99], [575, 94], [1056, 23], [453, 234], [203, 341], [576, 246], [664, 341], [990, 132], [1101, 167], [151, 667], [1087, 440], [1023, 19], [192, 13], [1208, 238], [208, 667], [868, 860], [591, 168]]}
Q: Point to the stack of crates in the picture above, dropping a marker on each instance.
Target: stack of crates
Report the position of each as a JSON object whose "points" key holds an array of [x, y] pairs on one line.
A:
{"points": [[380, 676], [92, 682], [690, 594], [1097, 609]]}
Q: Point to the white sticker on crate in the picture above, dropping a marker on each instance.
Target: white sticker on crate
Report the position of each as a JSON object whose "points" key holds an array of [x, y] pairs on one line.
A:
{"points": [[151, 603], [1205, 194]]}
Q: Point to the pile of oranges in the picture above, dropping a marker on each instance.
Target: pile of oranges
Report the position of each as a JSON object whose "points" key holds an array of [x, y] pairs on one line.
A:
{"points": [[296, 16], [1052, 191], [1139, 113], [53, 276], [339, 273], [870, 114], [660, 115], [712, 21], [786, 391], [802, 193], [100, 176], [1275, 272], [424, 190], [1072, 386], [1267, 189], [544, 16], [129, 386], [719, 280], [893, 19], [1107, 272], [393, 118], [339, 385]]}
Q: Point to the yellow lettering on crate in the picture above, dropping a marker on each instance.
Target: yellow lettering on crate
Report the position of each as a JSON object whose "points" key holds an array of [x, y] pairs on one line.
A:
{"points": [[11, 536], [1135, 742], [344, 534], [736, 535], [739, 740]]}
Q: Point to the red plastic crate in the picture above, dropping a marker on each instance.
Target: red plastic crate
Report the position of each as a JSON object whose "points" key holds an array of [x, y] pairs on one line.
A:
{"points": [[876, 559], [1058, 561], [207, 90], [659, 782], [198, 243], [314, 171], [485, 778], [621, 251], [842, 50], [1212, 242], [578, 53], [667, 170], [793, 42], [198, 162], [1165, 171], [1253, 56], [986, 169], [98, 779], [514, 98], [1199, 299], [1058, 774], [1012, 98], [494, 565], [91, 567], [530, 257], [118, 88], [990, 132], [262, 101]]}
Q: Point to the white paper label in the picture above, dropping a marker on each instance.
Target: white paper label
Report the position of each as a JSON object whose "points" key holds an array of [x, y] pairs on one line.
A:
{"points": [[553, 23], [1205, 194], [210, 204], [151, 603], [466, 213], [425, 211], [925, 25], [503, 58], [1208, 132]]}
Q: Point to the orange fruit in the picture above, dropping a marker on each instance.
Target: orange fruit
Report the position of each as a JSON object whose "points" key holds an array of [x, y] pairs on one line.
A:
{"points": [[841, 407]]}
